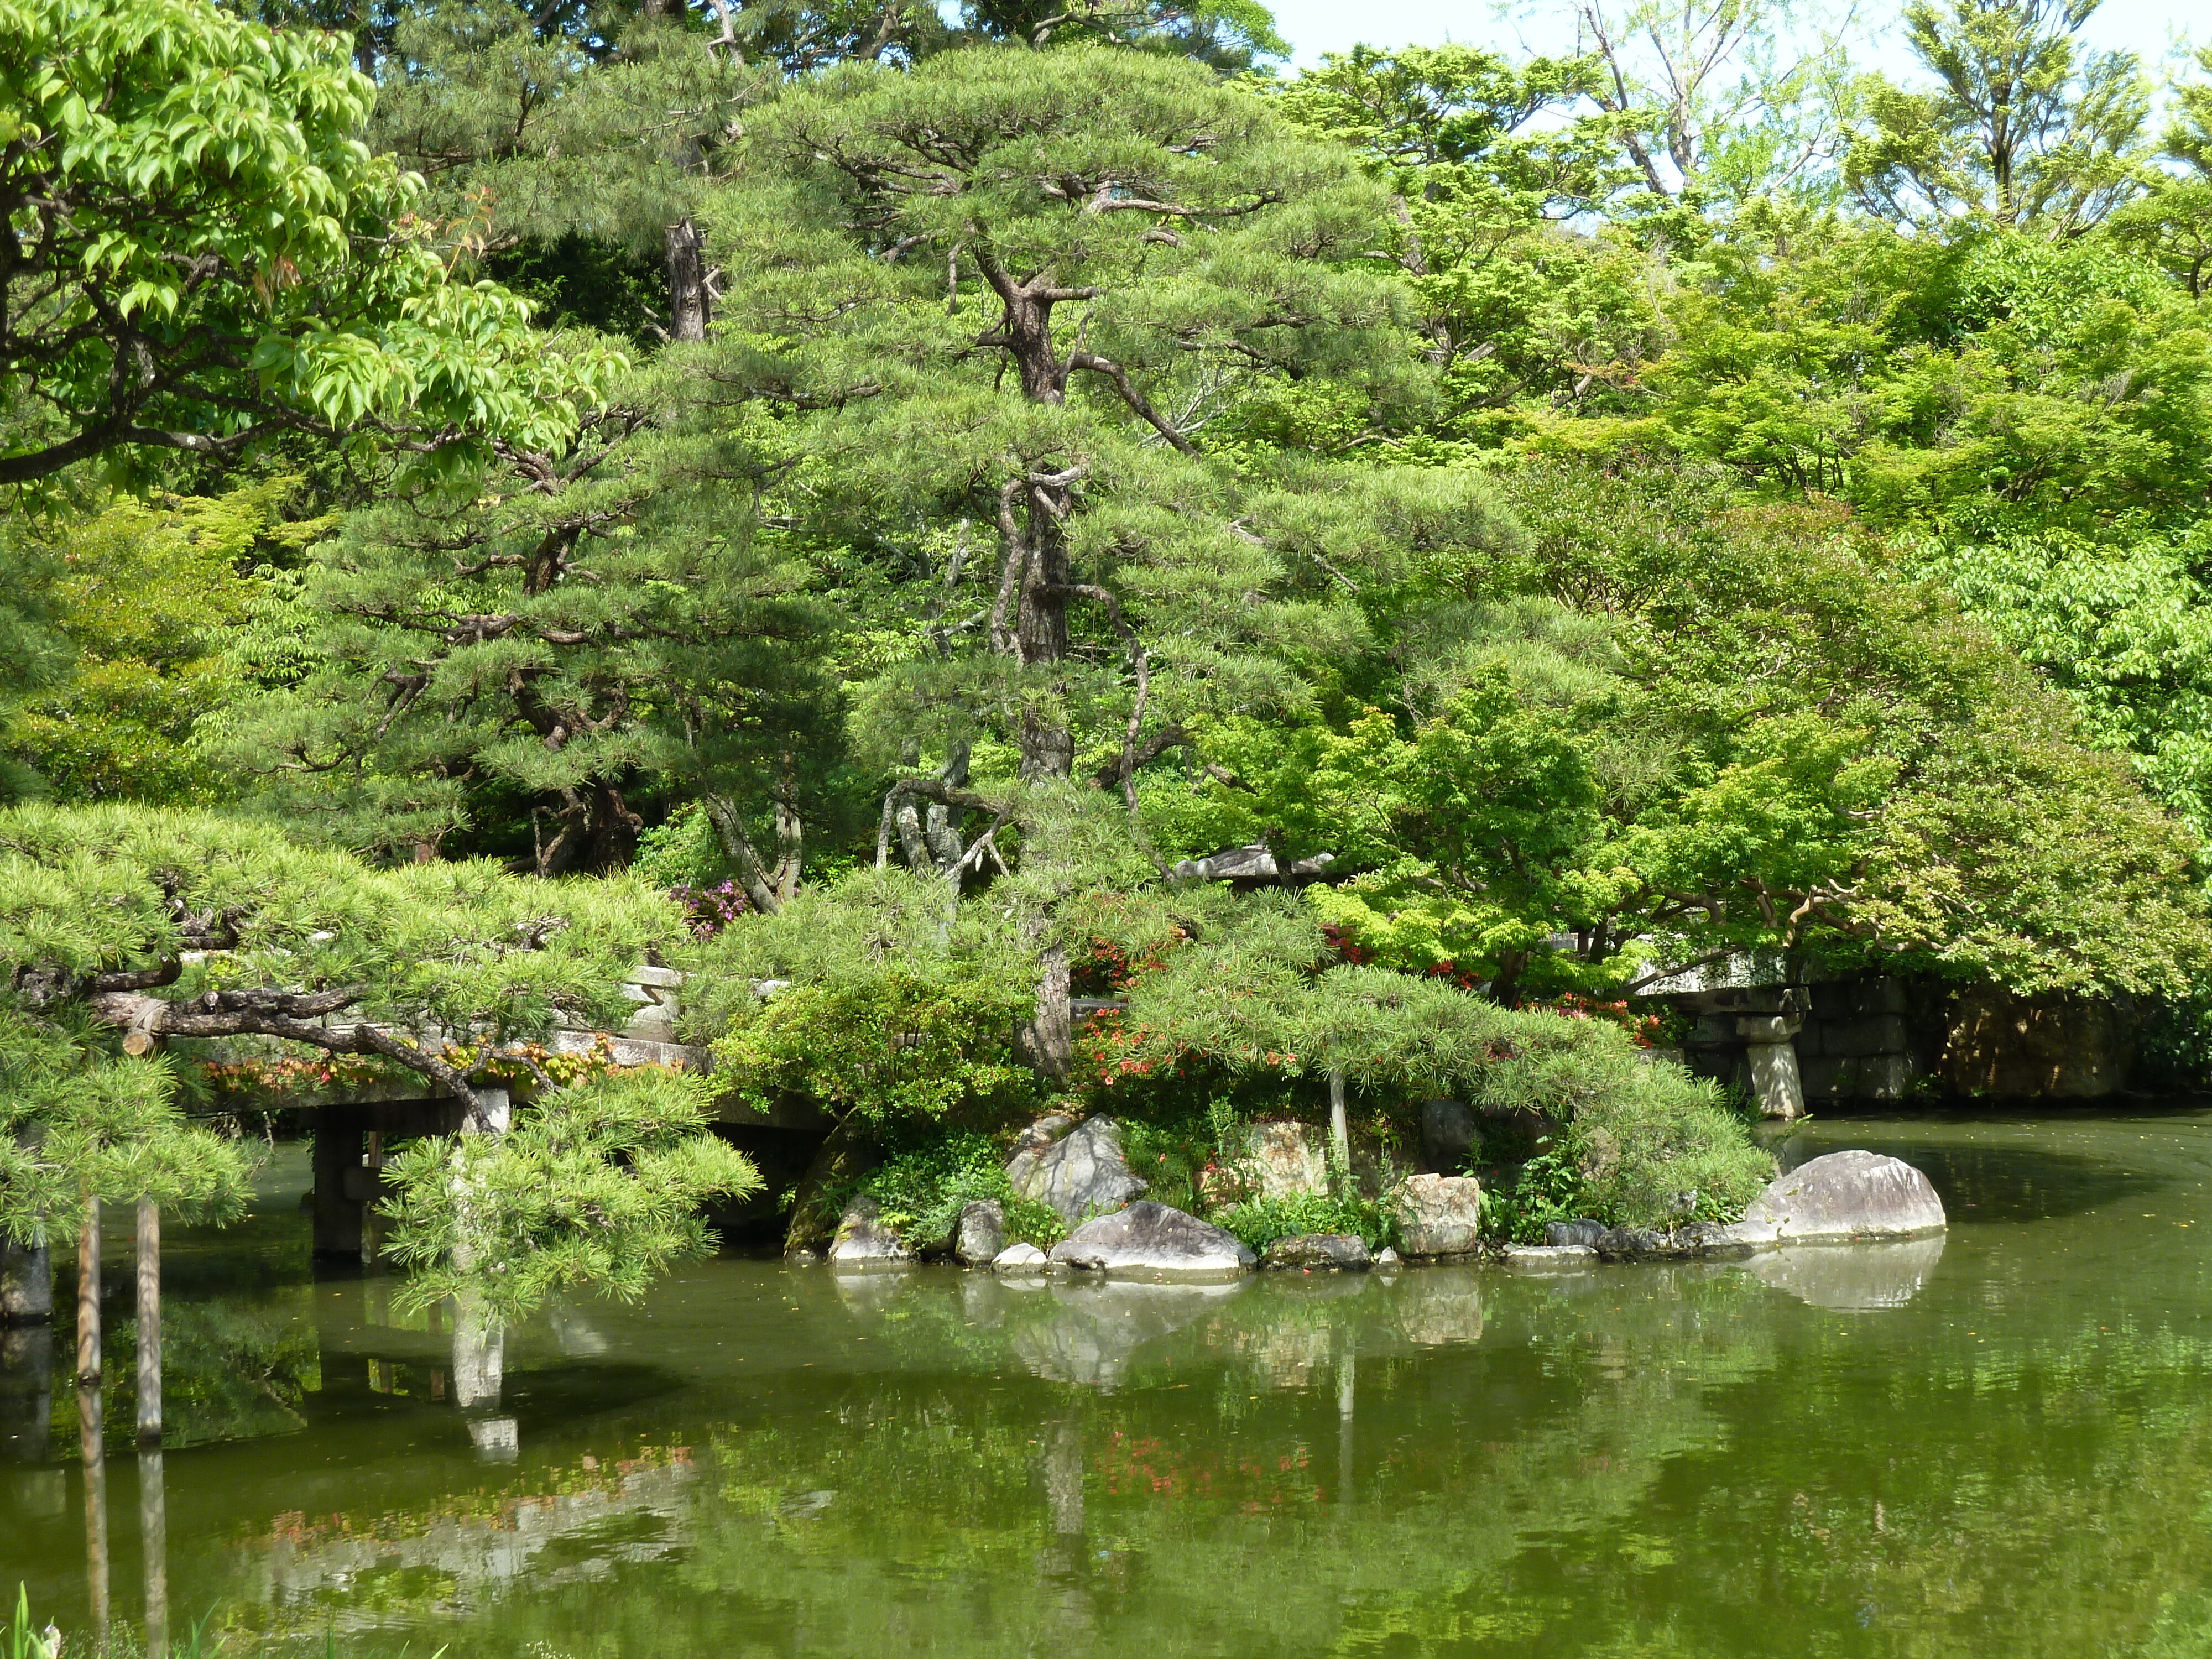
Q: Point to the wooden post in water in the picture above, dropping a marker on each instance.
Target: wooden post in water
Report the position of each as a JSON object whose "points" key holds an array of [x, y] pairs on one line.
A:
{"points": [[154, 1540], [92, 1439], [88, 1295], [150, 1322]]}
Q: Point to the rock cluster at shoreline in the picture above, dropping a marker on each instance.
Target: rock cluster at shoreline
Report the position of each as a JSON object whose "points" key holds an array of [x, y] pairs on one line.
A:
{"points": [[1079, 1169]]}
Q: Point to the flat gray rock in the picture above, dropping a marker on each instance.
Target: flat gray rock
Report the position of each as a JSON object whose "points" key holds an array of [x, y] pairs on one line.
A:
{"points": [[1551, 1258], [1079, 1174], [1153, 1241], [1338, 1251], [1846, 1195]]}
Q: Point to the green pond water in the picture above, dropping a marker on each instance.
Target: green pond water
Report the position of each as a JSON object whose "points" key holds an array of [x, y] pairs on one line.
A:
{"points": [[1997, 1443]]}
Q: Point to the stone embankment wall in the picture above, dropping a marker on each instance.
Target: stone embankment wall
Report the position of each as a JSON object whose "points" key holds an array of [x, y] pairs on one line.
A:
{"points": [[1879, 1039]]}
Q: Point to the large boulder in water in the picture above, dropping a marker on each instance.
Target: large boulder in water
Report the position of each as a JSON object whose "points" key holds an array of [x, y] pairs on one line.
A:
{"points": [[1439, 1215], [865, 1240], [1152, 1241], [1843, 1196], [1079, 1174]]}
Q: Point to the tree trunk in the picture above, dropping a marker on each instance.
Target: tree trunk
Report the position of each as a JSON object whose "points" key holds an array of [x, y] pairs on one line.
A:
{"points": [[88, 1295], [149, 1323], [687, 281], [1049, 1038], [1339, 1126], [92, 1445]]}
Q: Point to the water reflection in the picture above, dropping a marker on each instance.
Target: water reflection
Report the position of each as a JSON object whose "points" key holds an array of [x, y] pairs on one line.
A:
{"points": [[1087, 1334], [1989, 1457], [1852, 1277]]}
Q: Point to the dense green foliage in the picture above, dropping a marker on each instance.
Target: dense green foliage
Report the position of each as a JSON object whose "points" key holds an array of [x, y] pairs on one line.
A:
{"points": [[1586, 516]]}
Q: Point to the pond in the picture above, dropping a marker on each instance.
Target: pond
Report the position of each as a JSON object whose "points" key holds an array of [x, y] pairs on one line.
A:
{"points": [[1997, 1443]]}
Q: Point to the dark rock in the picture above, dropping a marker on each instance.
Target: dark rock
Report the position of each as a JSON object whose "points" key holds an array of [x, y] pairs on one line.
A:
{"points": [[1448, 1136], [981, 1232], [843, 1158], [1439, 1215], [1842, 1196], [1322, 1250], [1619, 1243], [1574, 1232], [1153, 1241], [1079, 1174]]}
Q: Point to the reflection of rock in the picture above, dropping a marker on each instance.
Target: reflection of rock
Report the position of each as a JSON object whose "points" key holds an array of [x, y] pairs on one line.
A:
{"points": [[1281, 1160], [981, 1232], [1093, 1328], [1439, 1215], [1153, 1241], [1078, 1175], [497, 1439], [1340, 1251], [1547, 1258], [863, 1241], [1857, 1278], [868, 1292], [1435, 1308], [1853, 1194]]}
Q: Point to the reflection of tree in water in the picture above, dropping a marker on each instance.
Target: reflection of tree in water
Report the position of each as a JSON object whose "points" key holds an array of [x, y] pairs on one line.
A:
{"points": [[234, 1368], [1663, 1458], [304, 1575]]}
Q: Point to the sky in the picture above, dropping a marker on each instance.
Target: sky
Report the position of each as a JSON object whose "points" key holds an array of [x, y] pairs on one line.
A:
{"points": [[1314, 26]]}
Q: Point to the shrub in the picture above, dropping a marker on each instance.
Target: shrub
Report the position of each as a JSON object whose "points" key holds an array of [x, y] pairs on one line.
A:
{"points": [[1261, 1221], [1664, 1153], [923, 1189]]}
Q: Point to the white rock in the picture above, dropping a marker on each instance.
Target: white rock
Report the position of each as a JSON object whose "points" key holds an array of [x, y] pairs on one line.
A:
{"points": [[1021, 1258], [1843, 1196]]}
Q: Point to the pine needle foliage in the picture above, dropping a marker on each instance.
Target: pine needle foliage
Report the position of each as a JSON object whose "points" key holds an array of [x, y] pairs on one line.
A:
{"points": [[597, 1188]]}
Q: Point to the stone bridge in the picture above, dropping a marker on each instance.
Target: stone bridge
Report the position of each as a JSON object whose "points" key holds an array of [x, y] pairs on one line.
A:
{"points": [[353, 1125]]}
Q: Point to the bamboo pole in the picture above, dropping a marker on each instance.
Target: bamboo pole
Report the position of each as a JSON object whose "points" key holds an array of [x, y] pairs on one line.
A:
{"points": [[150, 1322]]}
